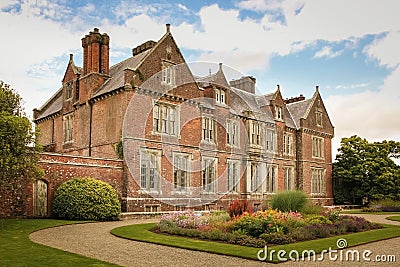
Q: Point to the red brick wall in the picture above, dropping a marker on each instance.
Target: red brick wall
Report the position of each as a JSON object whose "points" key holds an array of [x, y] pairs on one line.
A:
{"points": [[60, 168]]}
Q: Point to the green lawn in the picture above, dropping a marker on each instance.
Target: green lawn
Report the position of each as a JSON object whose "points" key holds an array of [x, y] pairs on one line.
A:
{"points": [[141, 232], [360, 211], [16, 249], [394, 218]]}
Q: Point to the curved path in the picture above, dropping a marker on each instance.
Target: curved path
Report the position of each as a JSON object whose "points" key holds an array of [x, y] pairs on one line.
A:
{"points": [[95, 241]]}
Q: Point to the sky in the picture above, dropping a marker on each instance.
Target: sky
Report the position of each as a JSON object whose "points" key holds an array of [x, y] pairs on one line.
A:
{"points": [[349, 48]]}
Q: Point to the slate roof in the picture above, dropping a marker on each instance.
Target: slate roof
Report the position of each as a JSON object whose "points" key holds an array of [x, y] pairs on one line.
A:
{"points": [[298, 110], [116, 80]]}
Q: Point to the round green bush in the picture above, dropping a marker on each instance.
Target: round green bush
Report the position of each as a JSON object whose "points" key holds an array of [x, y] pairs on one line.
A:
{"points": [[86, 199], [290, 200]]}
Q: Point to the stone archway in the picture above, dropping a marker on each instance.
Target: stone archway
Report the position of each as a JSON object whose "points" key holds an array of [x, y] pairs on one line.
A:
{"points": [[40, 198]]}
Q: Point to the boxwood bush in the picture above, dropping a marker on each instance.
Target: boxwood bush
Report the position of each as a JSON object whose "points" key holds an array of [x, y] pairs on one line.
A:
{"points": [[86, 199]]}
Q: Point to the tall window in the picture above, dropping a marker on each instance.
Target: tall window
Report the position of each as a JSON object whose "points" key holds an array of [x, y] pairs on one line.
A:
{"points": [[317, 147], [289, 178], [255, 177], [232, 133], [209, 174], [208, 127], [270, 142], [233, 176], [318, 118], [68, 128], [164, 119], [255, 133], [168, 73], [149, 170], [278, 113], [69, 86], [181, 172], [288, 144], [220, 96], [318, 181], [272, 179]]}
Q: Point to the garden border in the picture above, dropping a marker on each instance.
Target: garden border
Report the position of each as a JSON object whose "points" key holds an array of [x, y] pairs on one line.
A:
{"points": [[143, 233]]}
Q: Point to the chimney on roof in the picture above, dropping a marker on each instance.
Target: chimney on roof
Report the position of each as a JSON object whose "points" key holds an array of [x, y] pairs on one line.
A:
{"points": [[96, 52], [294, 99], [245, 83], [143, 47]]}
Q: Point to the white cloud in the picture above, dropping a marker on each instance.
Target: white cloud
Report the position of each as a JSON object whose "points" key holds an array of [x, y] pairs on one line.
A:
{"points": [[370, 114], [327, 52], [386, 50], [260, 5], [352, 86], [183, 7]]}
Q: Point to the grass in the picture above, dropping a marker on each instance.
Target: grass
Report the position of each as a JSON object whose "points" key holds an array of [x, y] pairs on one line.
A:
{"points": [[141, 232], [360, 211], [16, 249], [394, 218]]}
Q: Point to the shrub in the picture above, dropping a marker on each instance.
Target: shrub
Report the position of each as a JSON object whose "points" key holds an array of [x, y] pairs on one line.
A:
{"points": [[291, 200], [311, 208], [184, 219], [317, 219], [86, 199], [385, 205], [238, 207], [277, 238]]}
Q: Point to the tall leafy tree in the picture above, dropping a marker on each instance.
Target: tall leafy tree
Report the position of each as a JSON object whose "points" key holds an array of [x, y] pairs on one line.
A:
{"points": [[366, 170], [19, 152]]}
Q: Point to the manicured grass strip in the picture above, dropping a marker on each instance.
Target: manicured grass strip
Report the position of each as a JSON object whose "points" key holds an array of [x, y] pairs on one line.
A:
{"points": [[359, 211], [394, 218], [16, 249], [141, 232]]}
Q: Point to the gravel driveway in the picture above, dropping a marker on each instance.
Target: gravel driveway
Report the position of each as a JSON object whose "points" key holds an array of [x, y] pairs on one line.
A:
{"points": [[95, 241]]}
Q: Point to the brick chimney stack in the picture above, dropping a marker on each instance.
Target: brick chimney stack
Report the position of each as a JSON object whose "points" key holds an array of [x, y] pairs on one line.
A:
{"points": [[96, 53]]}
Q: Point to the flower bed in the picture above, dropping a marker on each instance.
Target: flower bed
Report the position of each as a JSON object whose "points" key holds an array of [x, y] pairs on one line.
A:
{"points": [[263, 227]]}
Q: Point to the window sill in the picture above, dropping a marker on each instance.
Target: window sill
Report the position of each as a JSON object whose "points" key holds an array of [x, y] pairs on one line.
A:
{"points": [[181, 192]]}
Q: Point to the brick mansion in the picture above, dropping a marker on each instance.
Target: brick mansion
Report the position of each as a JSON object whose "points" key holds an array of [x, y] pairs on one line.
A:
{"points": [[167, 139]]}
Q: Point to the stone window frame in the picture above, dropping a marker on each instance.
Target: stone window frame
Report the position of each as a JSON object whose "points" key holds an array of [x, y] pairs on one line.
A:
{"points": [[279, 113], [178, 171], [288, 178], [318, 181], [270, 140], [319, 118], [150, 181], [220, 96], [317, 147], [209, 174], [288, 144], [168, 73], [232, 132], [271, 179], [69, 90], [68, 128], [208, 129], [255, 133], [171, 121], [233, 175], [255, 177]]}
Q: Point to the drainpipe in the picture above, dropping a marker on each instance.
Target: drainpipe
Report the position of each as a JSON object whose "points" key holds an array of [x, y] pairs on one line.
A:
{"points": [[90, 127]]}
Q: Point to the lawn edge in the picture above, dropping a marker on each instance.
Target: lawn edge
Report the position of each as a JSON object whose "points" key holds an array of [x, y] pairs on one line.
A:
{"points": [[114, 232]]}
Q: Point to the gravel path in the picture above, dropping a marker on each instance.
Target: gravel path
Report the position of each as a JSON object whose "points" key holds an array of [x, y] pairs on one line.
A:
{"points": [[95, 241]]}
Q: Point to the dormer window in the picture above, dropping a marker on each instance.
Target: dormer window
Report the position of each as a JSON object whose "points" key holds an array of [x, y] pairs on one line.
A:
{"points": [[278, 113], [69, 90], [318, 118], [220, 96], [168, 73]]}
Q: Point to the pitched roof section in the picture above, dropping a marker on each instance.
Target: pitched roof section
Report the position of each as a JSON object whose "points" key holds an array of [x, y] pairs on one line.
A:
{"points": [[117, 73], [298, 110], [217, 78], [52, 106]]}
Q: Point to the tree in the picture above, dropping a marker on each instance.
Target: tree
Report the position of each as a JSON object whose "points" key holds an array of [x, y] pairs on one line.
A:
{"points": [[366, 170], [19, 152]]}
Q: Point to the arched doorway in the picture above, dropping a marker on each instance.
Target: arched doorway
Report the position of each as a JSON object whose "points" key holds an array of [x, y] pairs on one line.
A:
{"points": [[40, 198]]}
